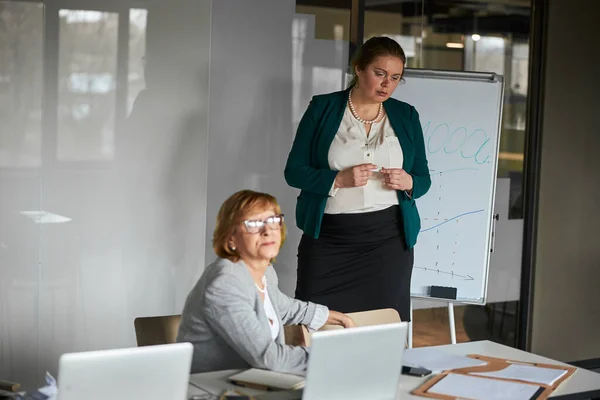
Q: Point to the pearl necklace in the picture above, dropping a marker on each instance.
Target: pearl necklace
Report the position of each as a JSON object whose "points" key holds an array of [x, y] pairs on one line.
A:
{"points": [[264, 282], [355, 114]]}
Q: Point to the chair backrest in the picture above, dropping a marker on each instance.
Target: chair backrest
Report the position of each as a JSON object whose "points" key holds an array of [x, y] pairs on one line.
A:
{"points": [[368, 318], [299, 334], [151, 331], [7, 386]]}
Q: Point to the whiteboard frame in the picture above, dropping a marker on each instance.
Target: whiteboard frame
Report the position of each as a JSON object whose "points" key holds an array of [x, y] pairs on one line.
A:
{"points": [[490, 77]]}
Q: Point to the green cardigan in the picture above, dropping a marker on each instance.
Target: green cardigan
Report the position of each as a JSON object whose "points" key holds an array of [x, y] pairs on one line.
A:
{"points": [[308, 169]]}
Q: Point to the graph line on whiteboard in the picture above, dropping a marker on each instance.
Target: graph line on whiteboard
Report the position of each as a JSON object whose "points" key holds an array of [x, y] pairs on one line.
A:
{"points": [[434, 172], [451, 219], [451, 273]]}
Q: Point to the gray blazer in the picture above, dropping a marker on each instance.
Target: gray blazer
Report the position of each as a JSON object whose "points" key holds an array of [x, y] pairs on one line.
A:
{"points": [[224, 319]]}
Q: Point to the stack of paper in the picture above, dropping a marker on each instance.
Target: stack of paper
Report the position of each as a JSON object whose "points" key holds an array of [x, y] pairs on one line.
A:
{"points": [[437, 360], [527, 373], [476, 388]]}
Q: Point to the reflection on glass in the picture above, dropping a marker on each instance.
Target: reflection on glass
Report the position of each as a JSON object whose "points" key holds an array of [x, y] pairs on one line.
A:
{"points": [[137, 54], [489, 54], [442, 50], [87, 83], [328, 23], [405, 29], [519, 77], [45, 217], [21, 85], [509, 58], [320, 51], [299, 27], [21, 54]]}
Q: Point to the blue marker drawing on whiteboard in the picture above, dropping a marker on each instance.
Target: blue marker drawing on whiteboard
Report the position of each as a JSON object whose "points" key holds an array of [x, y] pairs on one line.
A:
{"points": [[446, 171], [442, 137], [452, 136], [452, 219]]}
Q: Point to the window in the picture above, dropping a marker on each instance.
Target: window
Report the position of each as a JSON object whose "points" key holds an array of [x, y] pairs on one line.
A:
{"points": [[87, 85], [320, 40], [21, 83]]}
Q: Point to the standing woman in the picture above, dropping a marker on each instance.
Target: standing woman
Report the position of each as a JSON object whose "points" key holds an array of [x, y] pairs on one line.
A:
{"points": [[359, 160]]}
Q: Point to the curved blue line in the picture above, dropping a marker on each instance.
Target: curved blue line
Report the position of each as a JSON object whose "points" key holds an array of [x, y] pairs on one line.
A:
{"points": [[452, 219]]}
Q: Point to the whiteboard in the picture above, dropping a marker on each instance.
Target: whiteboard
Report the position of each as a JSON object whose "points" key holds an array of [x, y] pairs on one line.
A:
{"points": [[461, 114]]}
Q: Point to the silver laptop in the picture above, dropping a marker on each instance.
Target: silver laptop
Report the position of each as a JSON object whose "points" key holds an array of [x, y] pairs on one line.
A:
{"points": [[358, 363], [149, 373]]}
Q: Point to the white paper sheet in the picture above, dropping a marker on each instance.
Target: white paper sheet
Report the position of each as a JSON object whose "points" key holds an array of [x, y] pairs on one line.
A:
{"points": [[437, 360], [477, 388], [527, 373]]}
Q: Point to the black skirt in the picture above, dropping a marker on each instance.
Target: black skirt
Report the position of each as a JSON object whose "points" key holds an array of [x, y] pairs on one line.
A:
{"points": [[359, 262]]}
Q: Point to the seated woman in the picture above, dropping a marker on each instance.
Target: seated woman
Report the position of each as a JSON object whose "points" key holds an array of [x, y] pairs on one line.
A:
{"points": [[235, 314]]}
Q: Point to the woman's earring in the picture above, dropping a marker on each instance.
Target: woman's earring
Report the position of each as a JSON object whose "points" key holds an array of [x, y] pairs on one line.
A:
{"points": [[232, 248]]}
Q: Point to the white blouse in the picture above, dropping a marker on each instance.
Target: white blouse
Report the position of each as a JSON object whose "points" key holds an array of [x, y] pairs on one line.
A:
{"points": [[271, 315], [351, 147], [319, 319]]}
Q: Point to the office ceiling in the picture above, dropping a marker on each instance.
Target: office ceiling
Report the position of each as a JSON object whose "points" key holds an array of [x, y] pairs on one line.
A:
{"points": [[492, 17]]}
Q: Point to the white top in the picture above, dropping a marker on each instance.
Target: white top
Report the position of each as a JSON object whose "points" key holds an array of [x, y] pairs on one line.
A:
{"points": [[351, 147], [319, 319], [271, 315]]}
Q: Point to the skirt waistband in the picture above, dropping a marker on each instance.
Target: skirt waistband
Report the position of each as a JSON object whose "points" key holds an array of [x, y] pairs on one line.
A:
{"points": [[369, 227]]}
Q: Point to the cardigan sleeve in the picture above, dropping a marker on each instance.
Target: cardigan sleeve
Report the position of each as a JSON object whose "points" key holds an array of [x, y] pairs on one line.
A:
{"points": [[230, 313], [300, 170], [420, 170]]}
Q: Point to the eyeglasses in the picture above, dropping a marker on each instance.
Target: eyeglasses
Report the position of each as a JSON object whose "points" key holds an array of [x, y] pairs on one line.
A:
{"points": [[272, 223]]}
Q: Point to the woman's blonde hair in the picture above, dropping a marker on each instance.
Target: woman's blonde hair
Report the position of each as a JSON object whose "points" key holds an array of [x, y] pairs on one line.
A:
{"points": [[233, 211]]}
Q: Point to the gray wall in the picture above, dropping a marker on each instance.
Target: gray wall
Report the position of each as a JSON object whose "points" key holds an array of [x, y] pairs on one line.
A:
{"points": [[250, 117], [566, 306]]}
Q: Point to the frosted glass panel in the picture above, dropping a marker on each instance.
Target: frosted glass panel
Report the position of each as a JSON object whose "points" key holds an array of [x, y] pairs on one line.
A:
{"points": [[21, 76], [135, 239], [101, 221]]}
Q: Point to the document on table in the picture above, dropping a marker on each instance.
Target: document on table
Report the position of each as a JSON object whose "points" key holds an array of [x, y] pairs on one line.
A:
{"points": [[529, 373], [478, 388], [438, 360]]}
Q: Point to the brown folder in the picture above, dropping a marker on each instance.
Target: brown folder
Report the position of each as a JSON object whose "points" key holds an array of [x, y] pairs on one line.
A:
{"points": [[493, 365]]}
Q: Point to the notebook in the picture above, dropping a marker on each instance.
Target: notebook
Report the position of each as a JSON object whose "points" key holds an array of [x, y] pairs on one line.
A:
{"points": [[265, 379]]}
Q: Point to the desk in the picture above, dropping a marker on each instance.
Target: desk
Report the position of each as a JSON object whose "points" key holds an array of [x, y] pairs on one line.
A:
{"points": [[582, 381]]}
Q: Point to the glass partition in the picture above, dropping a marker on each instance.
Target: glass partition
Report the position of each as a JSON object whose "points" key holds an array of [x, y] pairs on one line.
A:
{"points": [[102, 205]]}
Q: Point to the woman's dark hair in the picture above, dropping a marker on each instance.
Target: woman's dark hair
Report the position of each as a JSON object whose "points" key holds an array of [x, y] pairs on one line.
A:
{"points": [[377, 46]]}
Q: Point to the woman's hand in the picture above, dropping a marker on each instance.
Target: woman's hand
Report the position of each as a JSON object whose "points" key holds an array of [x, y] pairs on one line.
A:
{"points": [[337, 318], [354, 176], [397, 179]]}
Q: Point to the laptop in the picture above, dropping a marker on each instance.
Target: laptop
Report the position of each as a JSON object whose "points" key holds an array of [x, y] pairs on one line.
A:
{"points": [[149, 373], [358, 363]]}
